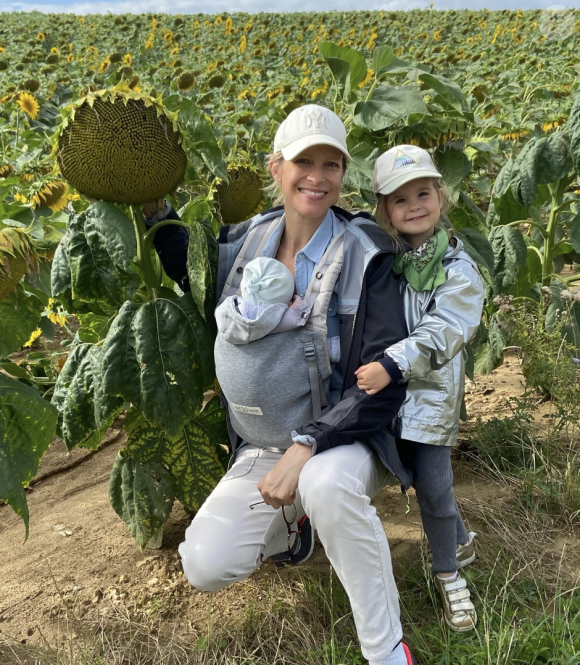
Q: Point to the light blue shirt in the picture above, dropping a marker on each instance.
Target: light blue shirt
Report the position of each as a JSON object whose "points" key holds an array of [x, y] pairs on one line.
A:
{"points": [[309, 256]]}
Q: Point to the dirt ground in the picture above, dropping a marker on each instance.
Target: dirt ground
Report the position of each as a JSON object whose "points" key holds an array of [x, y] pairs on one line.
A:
{"points": [[80, 553]]}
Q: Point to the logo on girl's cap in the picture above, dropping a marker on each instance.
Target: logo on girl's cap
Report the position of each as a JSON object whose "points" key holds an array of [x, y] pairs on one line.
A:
{"points": [[316, 120], [402, 160]]}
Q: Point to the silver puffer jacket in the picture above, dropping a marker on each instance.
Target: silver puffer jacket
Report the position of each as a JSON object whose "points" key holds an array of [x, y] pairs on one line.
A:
{"points": [[432, 358]]}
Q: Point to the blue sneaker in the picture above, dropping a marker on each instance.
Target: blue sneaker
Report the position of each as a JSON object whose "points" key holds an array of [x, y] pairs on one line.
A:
{"points": [[302, 548]]}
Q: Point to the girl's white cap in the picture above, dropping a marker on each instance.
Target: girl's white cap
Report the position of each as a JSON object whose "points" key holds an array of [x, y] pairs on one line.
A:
{"points": [[400, 165], [307, 126]]}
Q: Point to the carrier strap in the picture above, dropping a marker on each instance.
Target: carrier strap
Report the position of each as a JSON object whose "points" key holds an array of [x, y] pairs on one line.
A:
{"points": [[316, 388]]}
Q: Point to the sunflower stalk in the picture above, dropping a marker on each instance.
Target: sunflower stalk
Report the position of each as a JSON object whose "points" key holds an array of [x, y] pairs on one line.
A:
{"points": [[143, 260]]}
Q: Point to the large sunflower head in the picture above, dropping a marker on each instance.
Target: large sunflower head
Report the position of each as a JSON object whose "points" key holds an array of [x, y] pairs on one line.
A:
{"points": [[28, 104], [121, 146]]}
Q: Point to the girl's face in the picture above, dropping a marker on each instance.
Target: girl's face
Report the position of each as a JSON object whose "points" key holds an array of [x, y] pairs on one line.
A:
{"points": [[414, 209], [311, 181]]}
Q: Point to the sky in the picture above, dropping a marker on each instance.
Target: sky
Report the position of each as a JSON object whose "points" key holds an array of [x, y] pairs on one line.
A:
{"points": [[252, 6]]}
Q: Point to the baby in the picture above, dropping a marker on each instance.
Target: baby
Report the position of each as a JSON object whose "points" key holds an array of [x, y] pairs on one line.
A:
{"points": [[265, 282]]}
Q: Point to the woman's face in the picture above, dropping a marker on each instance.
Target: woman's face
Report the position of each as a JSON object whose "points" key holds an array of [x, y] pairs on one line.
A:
{"points": [[311, 181]]}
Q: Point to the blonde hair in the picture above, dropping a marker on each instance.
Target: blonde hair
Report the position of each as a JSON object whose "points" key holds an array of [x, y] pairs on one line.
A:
{"points": [[384, 221], [275, 190]]}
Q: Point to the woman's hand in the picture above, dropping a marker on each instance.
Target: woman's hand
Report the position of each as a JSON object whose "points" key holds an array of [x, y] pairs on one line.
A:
{"points": [[372, 377], [278, 487], [149, 209]]}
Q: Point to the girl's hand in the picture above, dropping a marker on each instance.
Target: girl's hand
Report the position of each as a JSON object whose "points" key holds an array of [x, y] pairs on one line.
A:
{"points": [[278, 487], [372, 378]]}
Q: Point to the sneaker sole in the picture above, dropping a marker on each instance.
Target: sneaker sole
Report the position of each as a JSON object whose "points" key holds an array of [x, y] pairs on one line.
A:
{"points": [[466, 562], [462, 629]]}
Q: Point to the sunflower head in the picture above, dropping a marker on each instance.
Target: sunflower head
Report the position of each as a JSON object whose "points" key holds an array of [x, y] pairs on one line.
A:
{"points": [[32, 85], [28, 104], [186, 81]]}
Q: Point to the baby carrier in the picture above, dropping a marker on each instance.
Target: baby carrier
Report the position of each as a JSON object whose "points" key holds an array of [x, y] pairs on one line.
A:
{"points": [[275, 371]]}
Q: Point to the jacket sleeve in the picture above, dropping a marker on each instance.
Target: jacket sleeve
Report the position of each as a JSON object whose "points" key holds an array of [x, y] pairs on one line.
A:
{"points": [[171, 243], [450, 322], [358, 416]]}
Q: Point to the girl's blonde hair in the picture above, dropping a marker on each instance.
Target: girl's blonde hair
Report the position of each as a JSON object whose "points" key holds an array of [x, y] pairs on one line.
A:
{"points": [[275, 190], [384, 221]]}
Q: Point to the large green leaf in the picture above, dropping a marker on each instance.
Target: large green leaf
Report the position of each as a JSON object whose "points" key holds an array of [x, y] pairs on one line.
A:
{"points": [[200, 134], [121, 371], [95, 277], [196, 458], [19, 316], [86, 409], [142, 495], [60, 278], [94, 327], [497, 340], [198, 268], [159, 356], [446, 89], [574, 132], [107, 227], [357, 65], [510, 253], [542, 161], [27, 425], [388, 105], [478, 247], [453, 165]]}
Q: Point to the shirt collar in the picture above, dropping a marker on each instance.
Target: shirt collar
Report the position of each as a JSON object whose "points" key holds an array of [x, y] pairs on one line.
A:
{"points": [[316, 246]]}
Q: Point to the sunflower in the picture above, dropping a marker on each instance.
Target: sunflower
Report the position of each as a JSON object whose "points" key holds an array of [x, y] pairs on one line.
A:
{"points": [[33, 337], [243, 44], [104, 65], [53, 195], [28, 104], [168, 36], [437, 36], [218, 20], [229, 24], [55, 313], [127, 59], [41, 36], [367, 79], [70, 58], [54, 50]]}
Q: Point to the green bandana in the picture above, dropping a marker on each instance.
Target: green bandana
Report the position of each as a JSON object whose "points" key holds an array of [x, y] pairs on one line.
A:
{"points": [[423, 267]]}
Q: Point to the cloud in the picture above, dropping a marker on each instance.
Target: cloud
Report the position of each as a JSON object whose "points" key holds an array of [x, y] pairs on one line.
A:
{"points": [[254, 6]]}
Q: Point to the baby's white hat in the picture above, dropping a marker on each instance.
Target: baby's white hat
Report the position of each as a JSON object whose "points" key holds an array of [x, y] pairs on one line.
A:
{"points": [[267, 280], [400, 165]]}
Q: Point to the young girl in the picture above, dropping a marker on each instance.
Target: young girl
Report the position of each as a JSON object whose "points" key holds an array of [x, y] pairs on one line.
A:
{"points": [[443, 299]]}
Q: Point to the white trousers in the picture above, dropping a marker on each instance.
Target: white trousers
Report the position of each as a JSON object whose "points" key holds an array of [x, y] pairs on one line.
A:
{"points": [[227, 540]]}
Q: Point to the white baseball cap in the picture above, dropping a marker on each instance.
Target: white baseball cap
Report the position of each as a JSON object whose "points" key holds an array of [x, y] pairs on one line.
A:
{"points": [[400, 165], [307, 126]]}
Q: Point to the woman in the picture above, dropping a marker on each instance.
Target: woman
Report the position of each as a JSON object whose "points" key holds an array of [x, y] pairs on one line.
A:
{"points": [[330, 467]]}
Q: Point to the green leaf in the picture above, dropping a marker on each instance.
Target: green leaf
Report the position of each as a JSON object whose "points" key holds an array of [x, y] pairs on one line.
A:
{"points": [[159, 356], [86, 409], [95, 276], [196, 458], [382, 57], [60, 278], [198, 215], [359, 174], [478, 247], [563, 315], [510, 253], [27, 425], [497, 340], [446, 89], [107, 227], [453, 166], [94, 327], [542, 161], [357, 65], [388, 105], [19, 317], [15, 370], [142, 495], [340, 70], [201, 135], [575, 232]]}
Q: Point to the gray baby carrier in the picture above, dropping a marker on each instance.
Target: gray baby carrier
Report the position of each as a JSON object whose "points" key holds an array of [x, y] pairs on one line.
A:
{"points": [[275, 371]]}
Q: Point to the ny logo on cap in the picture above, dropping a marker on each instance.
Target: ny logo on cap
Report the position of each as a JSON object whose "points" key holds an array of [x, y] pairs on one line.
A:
{"points": [[401, 160], [316, 120]]}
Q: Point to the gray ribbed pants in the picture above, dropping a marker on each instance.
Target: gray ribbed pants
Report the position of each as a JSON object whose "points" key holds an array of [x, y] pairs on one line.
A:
{"points": [[433, 483]]}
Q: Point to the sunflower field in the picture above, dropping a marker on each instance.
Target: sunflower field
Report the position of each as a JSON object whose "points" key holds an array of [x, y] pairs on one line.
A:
{"points": [[101, 115]]}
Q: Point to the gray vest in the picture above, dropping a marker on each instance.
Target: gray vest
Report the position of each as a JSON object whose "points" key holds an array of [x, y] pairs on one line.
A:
{"points": [[275, 372]]}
